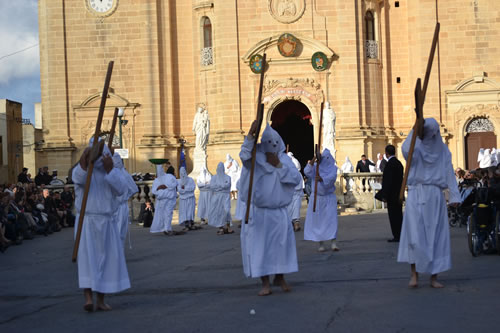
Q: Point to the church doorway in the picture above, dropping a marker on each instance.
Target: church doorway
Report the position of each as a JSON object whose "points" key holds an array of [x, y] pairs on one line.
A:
{"points": [[480, 134], [292, 120]]}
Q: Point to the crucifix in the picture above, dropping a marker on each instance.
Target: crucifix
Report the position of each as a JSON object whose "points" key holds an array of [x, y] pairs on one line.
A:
{"points": [[418, 127]]}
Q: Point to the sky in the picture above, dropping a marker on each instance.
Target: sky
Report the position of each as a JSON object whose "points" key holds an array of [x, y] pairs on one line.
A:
{"points": [[20, 54]]}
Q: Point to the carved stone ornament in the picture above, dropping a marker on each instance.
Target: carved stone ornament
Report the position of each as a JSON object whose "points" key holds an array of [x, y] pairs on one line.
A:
{"points": [[479, 125], [290, 87], [287, 11]]}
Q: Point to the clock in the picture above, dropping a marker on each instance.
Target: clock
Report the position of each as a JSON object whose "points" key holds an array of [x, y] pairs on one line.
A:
{"points": [[101, 7]]}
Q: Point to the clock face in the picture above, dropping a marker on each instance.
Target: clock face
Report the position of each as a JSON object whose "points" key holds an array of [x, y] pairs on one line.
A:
{"points": [[102, 7]]}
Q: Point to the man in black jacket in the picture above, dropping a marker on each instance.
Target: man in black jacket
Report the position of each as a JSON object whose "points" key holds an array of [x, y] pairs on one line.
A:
{"points": [[364, 166], [391, 185]]}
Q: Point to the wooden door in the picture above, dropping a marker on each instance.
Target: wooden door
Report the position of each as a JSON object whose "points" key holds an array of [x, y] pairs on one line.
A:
{"points": [[475, 141]]}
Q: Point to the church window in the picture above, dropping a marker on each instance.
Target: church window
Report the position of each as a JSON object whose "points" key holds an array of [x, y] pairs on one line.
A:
{"points": [[207, 49], [371, 42]]}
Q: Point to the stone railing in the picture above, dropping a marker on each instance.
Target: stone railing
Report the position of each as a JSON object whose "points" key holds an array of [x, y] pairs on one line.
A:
{"points": [[359, 188], [371, 49]]}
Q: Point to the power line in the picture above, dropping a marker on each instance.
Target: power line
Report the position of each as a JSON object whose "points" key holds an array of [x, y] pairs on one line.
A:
{"points": [[25, 49]]}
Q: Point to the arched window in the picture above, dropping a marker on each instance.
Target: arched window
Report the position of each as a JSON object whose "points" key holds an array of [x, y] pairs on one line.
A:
{"points": [[206, 50], [207, 32], [370, 25], [371, 43]]}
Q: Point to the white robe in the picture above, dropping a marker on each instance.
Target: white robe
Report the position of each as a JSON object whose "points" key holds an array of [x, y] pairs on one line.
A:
{"points": [[203, 183], [101, 259], [164, 204], [187, 202], [232, 169], [298, 194], [322, 224], [220, 201], [130, 188], [268, 241], [425, 236], [241, 207]]}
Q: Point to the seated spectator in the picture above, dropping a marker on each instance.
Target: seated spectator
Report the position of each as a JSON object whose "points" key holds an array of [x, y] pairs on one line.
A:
{"points": [[68, 198], [23, 230], [146, 214], [23, 176], [51, 211]]}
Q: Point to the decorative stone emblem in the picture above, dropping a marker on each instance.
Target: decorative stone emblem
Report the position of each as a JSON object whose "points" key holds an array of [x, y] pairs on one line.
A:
{"points": [[286, 11], [287, 45], [256, 63], [319, 61]]}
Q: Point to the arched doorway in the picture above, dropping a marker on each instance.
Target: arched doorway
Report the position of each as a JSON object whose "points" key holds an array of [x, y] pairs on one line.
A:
{"points": [[480, 134], [292, 120]]}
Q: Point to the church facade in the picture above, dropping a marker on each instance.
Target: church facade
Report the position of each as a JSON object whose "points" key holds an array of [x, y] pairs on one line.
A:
{"points": [[362, 57]]}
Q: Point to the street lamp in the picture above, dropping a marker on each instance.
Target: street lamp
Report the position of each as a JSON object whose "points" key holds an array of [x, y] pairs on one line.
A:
{"points": [[121, 112]]}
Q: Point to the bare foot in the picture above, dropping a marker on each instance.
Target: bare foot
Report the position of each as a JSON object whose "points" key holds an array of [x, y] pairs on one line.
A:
{"points": [[413, 281], [279, 280], [265, 291], [103, 307], [435, 283], [89, 307]]}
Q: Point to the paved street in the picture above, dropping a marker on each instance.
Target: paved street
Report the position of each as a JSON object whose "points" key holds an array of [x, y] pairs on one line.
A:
{"points": [[195, 283]]}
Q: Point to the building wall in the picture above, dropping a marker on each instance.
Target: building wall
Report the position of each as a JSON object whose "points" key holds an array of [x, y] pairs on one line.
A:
{"points": [[12, 140], [159, 80]]}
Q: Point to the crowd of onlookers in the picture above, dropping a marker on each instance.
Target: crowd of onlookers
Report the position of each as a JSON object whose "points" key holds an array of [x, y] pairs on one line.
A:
{"points": [[28, 209]]}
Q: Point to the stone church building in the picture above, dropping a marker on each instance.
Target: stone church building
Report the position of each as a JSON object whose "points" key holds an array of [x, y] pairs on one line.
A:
{"points": [[361, 56]]}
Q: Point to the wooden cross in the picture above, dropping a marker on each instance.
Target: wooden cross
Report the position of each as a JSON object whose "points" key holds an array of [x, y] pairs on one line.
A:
{"points": [[318, 158], [418, 127], [95, 152]]}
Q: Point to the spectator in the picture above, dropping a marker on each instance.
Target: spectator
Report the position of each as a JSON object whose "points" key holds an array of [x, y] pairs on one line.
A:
{"points": [[51, 211], [364, 166], [146, 214], [23, 176]]}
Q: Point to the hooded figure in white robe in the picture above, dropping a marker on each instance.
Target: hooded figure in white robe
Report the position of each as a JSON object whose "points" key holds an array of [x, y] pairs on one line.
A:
{"points": [[166, 199], [294, 206], [187, 202], [380, 158], [268, 241], [425, 237], [321, 225], [232, 169], [486, 161], [203, 182], [101, 259], [219, 214], [122, 214], [480, 155], [347, 166]]}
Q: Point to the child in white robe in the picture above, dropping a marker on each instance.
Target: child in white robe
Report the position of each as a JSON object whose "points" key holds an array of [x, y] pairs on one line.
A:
{"points": [[122, 214], [203, 182], [425, 237], [187, 202], [268, 241], [165, 190], [101, 259], [321, 225], [219, 214]]}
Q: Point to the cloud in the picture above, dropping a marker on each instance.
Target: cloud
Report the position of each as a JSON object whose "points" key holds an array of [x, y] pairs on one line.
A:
{"points": [[19, 30]]}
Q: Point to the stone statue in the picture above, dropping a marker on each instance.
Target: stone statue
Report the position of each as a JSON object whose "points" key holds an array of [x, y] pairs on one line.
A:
{"points": [[329, 119], [201, 127], [287, 8]]}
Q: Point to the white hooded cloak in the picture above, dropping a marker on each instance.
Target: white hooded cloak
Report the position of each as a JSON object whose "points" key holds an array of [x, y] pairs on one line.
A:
{"points": [[203, 182], [268, 241], [322, 224], [187, 202], [219, 213], [165, 200], [425, 237], [101, 259]]}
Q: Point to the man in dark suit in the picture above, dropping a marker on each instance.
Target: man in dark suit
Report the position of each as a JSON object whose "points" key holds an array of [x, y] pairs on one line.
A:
{"points": [[364, 166], [391, 185]]}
